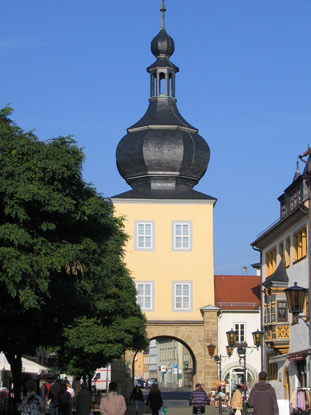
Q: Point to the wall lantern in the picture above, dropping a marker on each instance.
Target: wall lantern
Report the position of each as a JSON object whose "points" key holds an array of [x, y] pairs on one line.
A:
{"points": [[257, 338], [295, 296], [231, 337], [211, 349], [229, 350]]}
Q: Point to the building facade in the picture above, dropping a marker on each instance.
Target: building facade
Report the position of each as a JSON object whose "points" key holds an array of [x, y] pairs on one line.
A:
{"points": [[284, 261]]}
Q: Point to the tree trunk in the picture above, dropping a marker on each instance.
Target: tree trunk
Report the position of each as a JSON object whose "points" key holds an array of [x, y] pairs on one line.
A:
{"points": [[15, 361]]}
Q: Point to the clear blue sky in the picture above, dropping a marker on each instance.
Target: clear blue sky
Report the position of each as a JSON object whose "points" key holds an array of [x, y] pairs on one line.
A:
{"points": [[79, 67]]}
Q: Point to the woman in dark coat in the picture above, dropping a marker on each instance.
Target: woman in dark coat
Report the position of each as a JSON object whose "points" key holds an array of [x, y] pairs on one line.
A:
{"points": [[137, 396], [155, 399]]}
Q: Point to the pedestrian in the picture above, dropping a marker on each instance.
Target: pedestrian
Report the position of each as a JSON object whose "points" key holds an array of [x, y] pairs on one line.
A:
{"points": [[137, 397], [155, 399], [83, 401], [113, 403], [64, 400], [199, 399], [262, 398], [31, 403], [53, 397], [237, 400]]}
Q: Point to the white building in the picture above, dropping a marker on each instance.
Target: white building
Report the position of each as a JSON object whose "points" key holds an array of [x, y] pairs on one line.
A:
{"points": [[238, 300]]}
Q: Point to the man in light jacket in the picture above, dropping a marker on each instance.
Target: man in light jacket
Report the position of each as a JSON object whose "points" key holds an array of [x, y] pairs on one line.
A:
{"points": [[263, 398], [113, 403]]}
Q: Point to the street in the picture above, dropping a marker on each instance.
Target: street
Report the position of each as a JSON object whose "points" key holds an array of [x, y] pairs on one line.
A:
{"points": [[176, 400]]}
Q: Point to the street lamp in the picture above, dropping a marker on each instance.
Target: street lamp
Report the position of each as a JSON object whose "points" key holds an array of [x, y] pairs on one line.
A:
{"points": [[232, 336], [218, 359], [258, 338], [242, 348], [295, 296]]}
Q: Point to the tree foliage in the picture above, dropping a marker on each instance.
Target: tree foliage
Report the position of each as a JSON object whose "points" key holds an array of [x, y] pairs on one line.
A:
{"points": [[62, 278]]}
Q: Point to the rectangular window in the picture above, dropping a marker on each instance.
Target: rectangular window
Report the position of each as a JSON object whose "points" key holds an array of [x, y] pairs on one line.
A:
{"points": [[182, 296], [144, 297], [287, 252], [144, 236], [270, 261], [282, 311], [240, 328], [300, 244], [182, 236]]}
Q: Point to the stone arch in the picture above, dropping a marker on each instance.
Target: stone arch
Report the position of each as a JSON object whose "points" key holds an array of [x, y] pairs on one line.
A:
{"points": [[191, 336], [195, 336], [189, 341]]}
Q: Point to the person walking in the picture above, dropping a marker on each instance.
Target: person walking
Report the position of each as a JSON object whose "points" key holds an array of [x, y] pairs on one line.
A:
{"points": [[262, 398], [113, 403], [137, 397], [155, 399], [237, 400], [64, 400], [83, 401], [199, 399], [53, 397]]}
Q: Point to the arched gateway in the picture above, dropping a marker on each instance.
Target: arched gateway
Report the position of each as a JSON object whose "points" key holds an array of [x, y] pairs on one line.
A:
{"points": [[195, 336], [170, 249]]}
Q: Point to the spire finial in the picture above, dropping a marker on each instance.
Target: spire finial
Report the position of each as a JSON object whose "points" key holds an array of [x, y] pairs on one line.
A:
{"points": [[163, 10]]}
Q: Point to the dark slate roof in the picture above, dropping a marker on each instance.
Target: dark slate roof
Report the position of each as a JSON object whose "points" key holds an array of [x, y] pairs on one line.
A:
{"points": [[279, 276], [162, 111], [164, 194]]}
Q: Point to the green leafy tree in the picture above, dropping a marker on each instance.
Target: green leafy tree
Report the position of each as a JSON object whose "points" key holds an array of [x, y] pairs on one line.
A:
{"points": [[62, 278]]}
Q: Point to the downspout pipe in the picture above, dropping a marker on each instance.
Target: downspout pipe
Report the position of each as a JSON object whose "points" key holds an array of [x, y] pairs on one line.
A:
{"points": [[261, 308], [301, 157]]}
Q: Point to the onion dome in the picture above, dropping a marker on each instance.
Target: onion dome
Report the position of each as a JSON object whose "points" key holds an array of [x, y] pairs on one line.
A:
{"points": [[162, 155]]}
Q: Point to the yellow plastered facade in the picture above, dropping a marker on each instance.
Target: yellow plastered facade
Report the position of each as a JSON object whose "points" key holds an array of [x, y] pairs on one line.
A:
{"points": [[163, 265]]}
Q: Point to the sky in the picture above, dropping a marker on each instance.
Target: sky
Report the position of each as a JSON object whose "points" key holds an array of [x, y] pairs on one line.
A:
{"points": [[79, 67]]}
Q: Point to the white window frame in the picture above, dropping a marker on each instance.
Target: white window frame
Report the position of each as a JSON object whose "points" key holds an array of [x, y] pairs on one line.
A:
{"points": [[182, 296], [238, 329], [144, 296], [183, 236], [144, 235]]}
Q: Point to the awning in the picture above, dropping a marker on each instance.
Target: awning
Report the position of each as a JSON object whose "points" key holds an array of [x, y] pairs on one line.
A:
{"points": [[4, 364], [28, 366], [300, 355]]}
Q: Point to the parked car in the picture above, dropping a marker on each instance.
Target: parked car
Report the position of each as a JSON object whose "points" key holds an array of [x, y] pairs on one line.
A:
{"points": [[150, 381], [141, 383]]}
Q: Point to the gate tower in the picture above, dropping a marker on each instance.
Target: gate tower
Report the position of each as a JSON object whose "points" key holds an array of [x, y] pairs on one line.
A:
{"points": [[170, 249]]}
